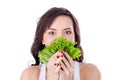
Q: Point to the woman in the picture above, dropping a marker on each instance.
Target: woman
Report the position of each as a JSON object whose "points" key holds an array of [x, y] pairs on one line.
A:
{"points": [[57, 22]]}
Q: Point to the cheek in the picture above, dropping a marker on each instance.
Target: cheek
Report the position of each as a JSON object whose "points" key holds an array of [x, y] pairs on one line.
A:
{"points": [[70, 38], [47, 40]]}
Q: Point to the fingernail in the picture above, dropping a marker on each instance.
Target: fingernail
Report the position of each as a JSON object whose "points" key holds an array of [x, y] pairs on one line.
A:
{"points": [[60, 64], [62, 55], [62, 51], [57, 56], [54, 64]]}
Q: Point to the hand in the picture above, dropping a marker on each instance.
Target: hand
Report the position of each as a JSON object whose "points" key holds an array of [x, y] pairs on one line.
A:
{"points": [[67, 71], [54, 66]]}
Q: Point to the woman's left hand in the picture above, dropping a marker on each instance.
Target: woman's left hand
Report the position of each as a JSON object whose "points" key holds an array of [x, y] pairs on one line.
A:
{"points": [[67, 71]]}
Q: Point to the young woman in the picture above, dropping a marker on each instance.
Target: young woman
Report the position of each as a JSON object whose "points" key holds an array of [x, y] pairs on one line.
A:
{"points": [[57, 22]]}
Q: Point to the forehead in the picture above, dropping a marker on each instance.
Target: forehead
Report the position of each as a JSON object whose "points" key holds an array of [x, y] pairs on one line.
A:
{"points": [[62, 21]]}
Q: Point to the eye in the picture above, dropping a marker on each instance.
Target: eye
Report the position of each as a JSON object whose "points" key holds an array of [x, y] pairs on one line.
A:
{"points": [[68, 32], [51, 33]]}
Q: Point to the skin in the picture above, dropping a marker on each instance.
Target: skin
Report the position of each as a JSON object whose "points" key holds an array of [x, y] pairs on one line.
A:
{"points": [[61, 26]]}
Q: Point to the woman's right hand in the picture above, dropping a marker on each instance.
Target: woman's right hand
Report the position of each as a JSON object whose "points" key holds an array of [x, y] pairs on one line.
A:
{"points": [[54, 66]]}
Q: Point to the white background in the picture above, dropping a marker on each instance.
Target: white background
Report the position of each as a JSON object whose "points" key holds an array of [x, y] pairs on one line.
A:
{"points": [[99, 25]]}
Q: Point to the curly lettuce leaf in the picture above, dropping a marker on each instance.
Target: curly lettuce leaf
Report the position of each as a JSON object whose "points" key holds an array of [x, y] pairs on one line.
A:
{"points": [[60, 43]]}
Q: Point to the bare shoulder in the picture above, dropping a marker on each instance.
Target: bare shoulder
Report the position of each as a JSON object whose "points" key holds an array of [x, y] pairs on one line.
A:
{"points": [[31, 73], [90, 71]]}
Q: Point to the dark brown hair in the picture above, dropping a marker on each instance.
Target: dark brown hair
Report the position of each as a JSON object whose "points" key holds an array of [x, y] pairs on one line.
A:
{"points": [[44, 23]]}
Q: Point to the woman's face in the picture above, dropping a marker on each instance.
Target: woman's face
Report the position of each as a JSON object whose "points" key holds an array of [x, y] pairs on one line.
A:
{"points": [[61, 26]]}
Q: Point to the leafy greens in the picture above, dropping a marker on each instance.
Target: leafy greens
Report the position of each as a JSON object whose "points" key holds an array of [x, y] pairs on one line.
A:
{"points": [[60, 43]]}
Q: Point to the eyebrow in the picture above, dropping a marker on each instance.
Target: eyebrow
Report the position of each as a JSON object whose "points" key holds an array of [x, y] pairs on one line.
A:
{"points": [[51, 29], [67, 28], [55, 29]]}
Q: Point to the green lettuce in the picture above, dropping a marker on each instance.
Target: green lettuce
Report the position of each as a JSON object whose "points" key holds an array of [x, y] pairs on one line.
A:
{"points": [[60, 43]]}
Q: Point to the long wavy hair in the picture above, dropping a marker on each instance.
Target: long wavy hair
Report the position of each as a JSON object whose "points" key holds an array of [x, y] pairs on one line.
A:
{"points": [[45, 22]]}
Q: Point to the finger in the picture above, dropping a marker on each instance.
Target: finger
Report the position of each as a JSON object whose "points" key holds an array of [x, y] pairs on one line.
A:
{"points": [[61, 72], [54, 57], [57, 69], [63, 66], [58, 60], [65, 62], [58, 57], [68, 57], [57, 63]]}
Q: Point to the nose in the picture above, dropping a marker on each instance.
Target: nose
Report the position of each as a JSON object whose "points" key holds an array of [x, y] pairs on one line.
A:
{"points": [[60, 34]]}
